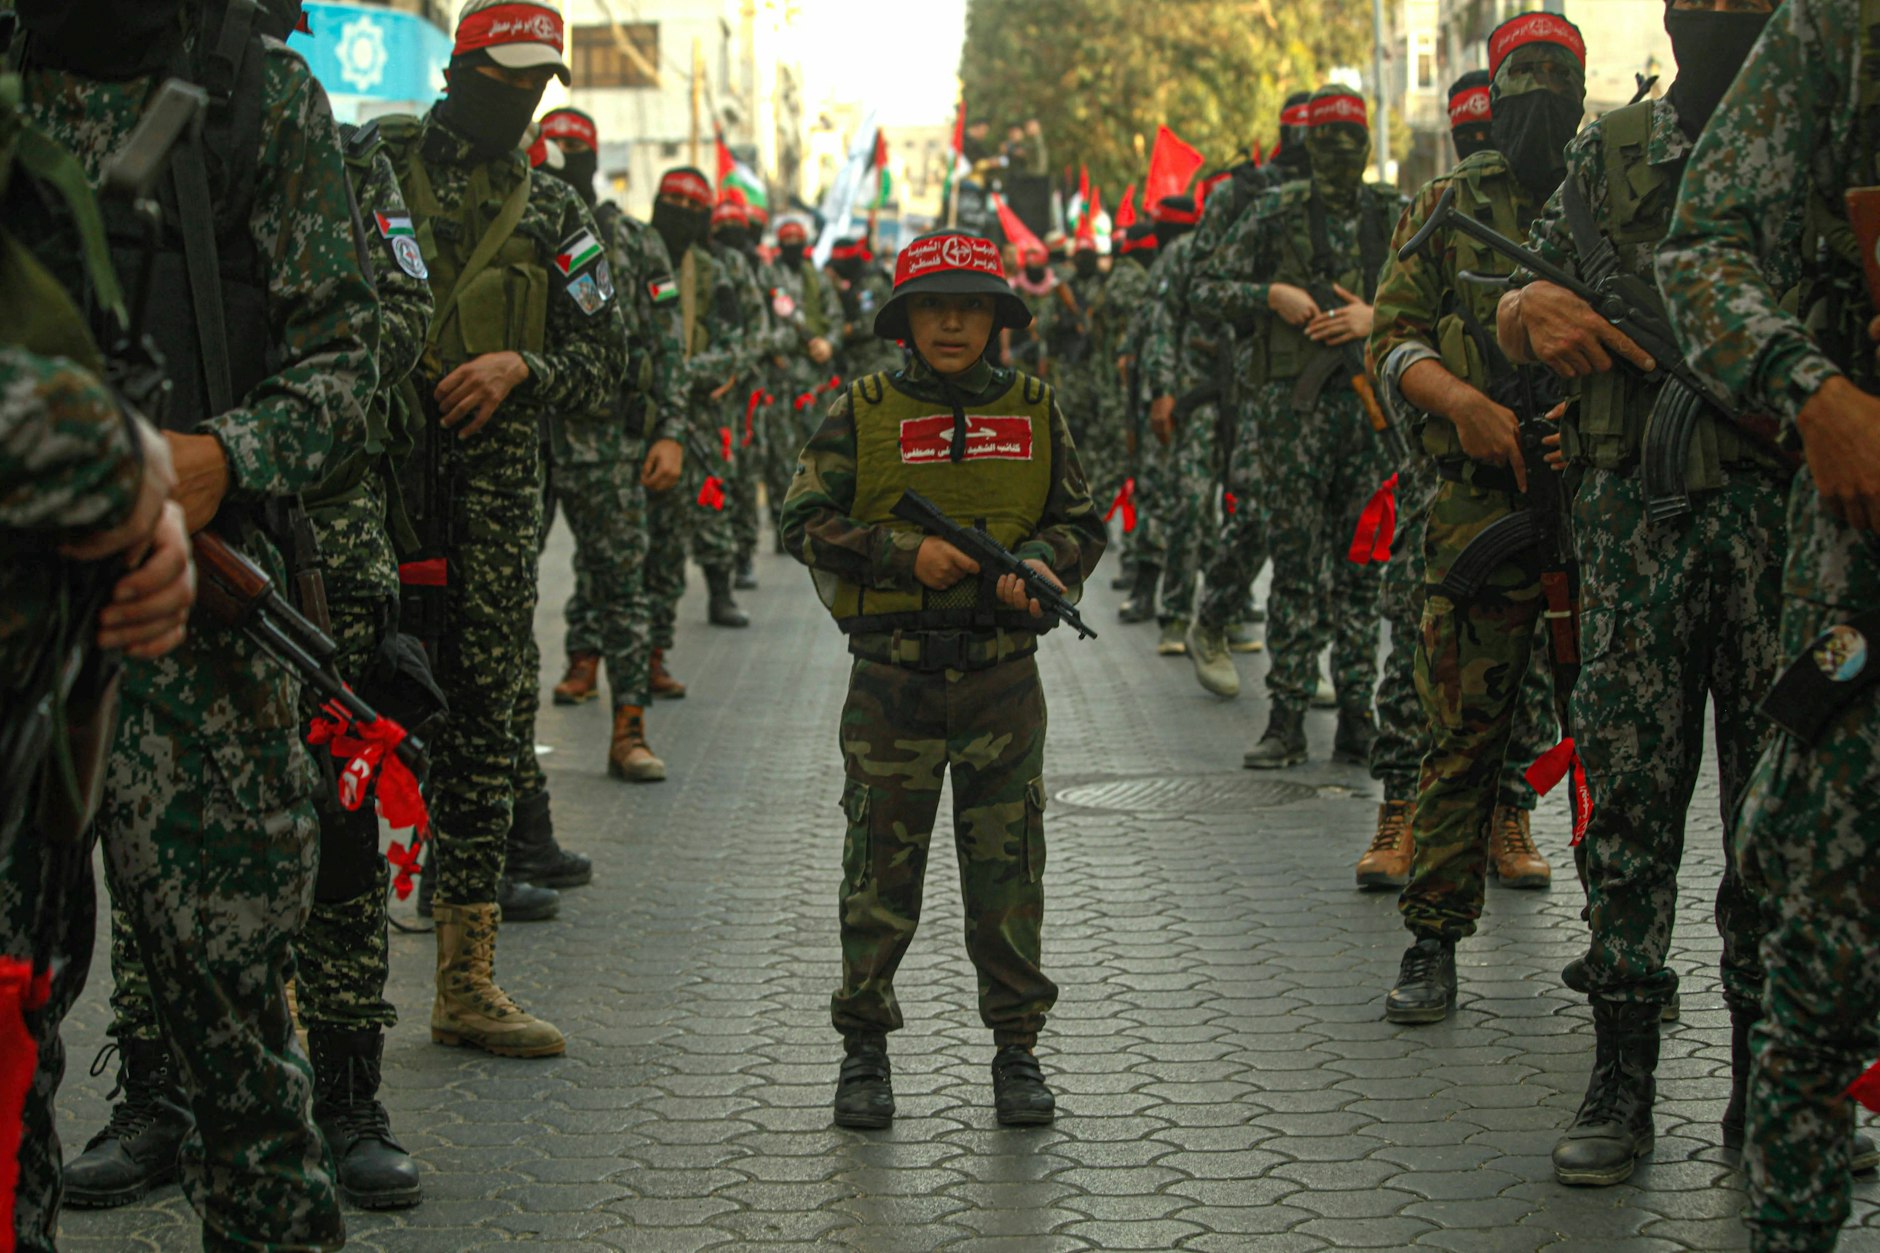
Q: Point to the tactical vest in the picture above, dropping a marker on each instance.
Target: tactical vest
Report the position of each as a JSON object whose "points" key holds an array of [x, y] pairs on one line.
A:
{"points": [[1307, 262], [1607, 428], [815, 320], [902, 441], [206, 307], [698, 281], [1465, 334], [489, 281]]}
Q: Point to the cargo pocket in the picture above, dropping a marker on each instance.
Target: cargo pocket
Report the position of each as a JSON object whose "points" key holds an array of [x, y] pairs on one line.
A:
{"points": [[1609, 705], [857, 846], [1033, 850], [1439, 661]]}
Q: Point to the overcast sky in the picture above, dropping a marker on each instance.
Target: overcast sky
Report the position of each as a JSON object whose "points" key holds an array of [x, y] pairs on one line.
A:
{"points": [[907, 65]]}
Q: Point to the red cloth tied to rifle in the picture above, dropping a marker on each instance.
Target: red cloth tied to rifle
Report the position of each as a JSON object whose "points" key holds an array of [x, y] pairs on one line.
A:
{"points": [[724, 443], [712, 494], [21, 991], [1377, 526], [757, 397], [370, 751], [1551, 767], [1231, 503], [1866, 1089], [1125, 501]]}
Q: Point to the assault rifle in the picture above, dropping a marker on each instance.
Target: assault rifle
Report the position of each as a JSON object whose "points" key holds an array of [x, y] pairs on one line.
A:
{"points": [[241, 595], [1630, 305], [994, 558], [1327, 362]]}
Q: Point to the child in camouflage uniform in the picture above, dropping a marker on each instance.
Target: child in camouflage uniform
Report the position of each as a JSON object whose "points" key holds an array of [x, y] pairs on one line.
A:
{"points": [[944, 673]]}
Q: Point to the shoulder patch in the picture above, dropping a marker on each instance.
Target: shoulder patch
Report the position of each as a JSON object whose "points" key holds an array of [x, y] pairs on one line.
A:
{"points": [[662, 289], [397, 232]]}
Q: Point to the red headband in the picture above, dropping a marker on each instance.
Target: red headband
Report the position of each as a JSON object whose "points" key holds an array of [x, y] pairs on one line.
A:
{"points": [[508, 24], [792, 233], [568, 124], [947, 254], [1162, 212], [730, 211], [1297, 115], [851, 252], [1468, 107], [687, 186], [1327, 110], [1533, 28]]}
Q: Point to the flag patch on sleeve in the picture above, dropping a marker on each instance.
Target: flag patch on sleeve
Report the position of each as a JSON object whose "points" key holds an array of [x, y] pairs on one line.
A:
{"points": [[662, 289], [578, 250]]}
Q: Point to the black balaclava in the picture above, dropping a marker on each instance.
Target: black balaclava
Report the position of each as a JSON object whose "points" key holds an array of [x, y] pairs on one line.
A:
{"points": [[849, 269], [1710, 48], [1085, 262], [1167, 232], [1533, 123], [1470, 137], [1144, 257], [578, 170], [734, 237], [489, 113], [110, 40], [681, 227], [792, 254], [278, 18], [1339, 152], [1291, 158]]}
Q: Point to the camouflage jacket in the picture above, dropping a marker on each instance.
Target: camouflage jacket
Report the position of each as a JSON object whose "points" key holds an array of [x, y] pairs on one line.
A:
{"points": [[818, 530], [716, 350], [1789, 128], [862, 353], [1166, 371], [802, 322], [649, 305], [403, 285]]}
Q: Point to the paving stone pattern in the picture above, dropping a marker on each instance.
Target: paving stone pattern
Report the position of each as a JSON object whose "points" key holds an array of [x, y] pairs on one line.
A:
{"points": [[1226, 1080]]}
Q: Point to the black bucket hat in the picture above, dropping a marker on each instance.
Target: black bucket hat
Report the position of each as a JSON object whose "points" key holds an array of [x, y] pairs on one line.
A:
{"points": [[956, 263]]}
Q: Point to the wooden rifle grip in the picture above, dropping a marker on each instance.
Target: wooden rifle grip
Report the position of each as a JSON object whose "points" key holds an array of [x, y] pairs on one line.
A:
{"points": [[232, 585]]}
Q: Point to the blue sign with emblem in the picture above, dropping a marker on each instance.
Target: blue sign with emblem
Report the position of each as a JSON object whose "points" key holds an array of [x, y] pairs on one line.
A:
{"points": [[379, 54]]}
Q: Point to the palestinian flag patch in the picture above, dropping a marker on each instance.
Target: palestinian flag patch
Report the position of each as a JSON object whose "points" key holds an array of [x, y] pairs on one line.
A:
{"points": [[577, 251], [662, 289], [395, 225]]}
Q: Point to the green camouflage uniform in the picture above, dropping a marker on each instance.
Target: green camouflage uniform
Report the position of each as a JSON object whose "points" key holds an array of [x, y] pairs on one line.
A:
{"points": [[598, 461], [1075, 381], [734, 412], [814, 310], [862, 353], [207, 820], [1176, 360], [67, 467], [1472, 660], [1326, 454], [486, 662], [905, 729], [1146, 546], [1105, 449], [712, 350], [1675, 614], [1798, 123]]}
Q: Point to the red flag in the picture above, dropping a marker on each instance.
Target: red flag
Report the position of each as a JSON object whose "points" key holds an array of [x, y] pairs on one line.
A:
{"points": [[1866, 1089], [1553, 766], [1171, 165], [1126, 211], [1017, 233], [1377, 526]]}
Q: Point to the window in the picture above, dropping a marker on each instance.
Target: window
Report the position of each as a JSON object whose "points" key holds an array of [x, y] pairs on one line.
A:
{"points": [[1423, 45], [597, 60]]}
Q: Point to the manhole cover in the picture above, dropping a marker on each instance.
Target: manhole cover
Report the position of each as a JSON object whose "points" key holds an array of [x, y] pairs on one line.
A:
{"points": [[1208, 794]]}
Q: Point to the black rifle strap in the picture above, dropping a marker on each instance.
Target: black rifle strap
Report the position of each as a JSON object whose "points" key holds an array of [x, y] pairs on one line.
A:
{"points": [[1598, 259], [189, 176]]}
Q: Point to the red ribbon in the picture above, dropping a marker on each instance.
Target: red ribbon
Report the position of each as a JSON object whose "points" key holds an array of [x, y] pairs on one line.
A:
{"points": [[434, 572], [1866, 1089], [21, 991], [1231, 503], [1377, 526], [712, 494], [750, 418], [370, 751], [1551, 767], [805, 401], [1125, 501], [724, 442]]}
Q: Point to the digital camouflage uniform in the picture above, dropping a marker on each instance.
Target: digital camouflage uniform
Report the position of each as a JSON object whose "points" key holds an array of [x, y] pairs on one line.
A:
{"points": [[734, 412], [1175, 361], [814, 310], [862, 353], [1792, 126], [1105, 449], [486, 661], [904, 729], [1146, 547], [1323, 450], [67, 467], [1675, 614], [1472, 660], [1074, 371], [712, 350], [598, 461], [207, 821]]}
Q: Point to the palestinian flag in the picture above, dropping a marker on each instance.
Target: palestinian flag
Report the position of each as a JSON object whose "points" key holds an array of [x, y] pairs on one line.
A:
{"points": [[736, 180], [663, 289], [577, 252], [394, 224]]}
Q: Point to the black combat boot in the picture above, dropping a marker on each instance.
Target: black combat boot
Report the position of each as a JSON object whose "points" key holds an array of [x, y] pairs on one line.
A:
{"points": [[375, 1172], [533, 856], [1356, 736], [722, 607], [1614, 1126], [1140, 606], [1426, 982], [865, 1088], [140, 1145], [746, 580], [520, 901], [1019, 1093], [1283, 745]]}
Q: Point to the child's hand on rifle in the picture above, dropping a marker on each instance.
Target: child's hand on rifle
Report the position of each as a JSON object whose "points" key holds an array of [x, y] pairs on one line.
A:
{"points": [[1012, 593], [939, 565]]}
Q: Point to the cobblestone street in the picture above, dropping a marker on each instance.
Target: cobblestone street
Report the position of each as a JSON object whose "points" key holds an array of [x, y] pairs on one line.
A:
{"points": [[1225, 1077]]}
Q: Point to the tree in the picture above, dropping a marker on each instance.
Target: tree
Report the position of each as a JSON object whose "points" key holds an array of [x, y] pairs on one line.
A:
{"points": [[1100, 74]]}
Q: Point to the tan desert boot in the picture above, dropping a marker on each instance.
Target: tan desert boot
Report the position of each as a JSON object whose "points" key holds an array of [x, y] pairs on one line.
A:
{"points": [[582, 682], [1386, 864], [628, 757], [470, 1008], [1511, 852]]}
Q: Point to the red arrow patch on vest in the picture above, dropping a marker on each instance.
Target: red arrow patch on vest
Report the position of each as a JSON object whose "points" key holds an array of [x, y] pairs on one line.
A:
{"points": [[930, 439]]}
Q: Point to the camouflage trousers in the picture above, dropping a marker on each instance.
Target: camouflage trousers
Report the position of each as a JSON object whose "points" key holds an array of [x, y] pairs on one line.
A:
{"points": [[1809, 848], [747, 471], [609, 613], [714, 532], [1472, 663], [902, 732], [1240, 549], [1321, 469], [1188, 495], [40, 889], [210, 844], [1147, 545], [669, 518], [487, 663], [1402, 729], [1674, 615]]}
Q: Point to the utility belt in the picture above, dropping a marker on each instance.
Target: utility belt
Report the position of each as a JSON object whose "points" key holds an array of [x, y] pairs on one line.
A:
{"points": [[930, 652]]}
